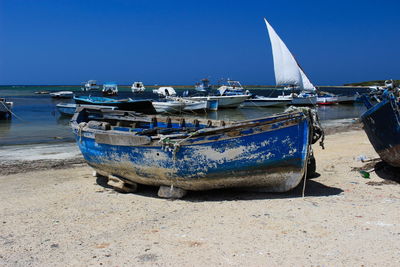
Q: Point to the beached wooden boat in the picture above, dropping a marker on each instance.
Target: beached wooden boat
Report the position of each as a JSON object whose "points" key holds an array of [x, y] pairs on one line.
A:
{"points": [[197, 154], [382, 126], [141, 105]]}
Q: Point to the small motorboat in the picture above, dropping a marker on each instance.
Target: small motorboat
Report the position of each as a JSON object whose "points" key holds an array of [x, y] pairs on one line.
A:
{"points": [[170, 106], [137, 87], [42, 92], [141, 105], [90, 85], [272, 153], [196, 106], [5, 108], [347, 99], [68, 109], [203, 86], [327, 99], [165, 91], [110, 89], [62, 94]]}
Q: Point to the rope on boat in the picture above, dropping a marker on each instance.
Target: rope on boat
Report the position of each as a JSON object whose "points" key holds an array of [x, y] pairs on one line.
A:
{"points": [[167, 142], [10, 111]]}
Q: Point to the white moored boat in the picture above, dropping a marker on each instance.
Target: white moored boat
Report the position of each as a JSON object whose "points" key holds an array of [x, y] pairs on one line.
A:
{"points": [[288, 72], [138, 87], [171, 106], [5, 108], [165, 91], [62, 94], [90, 85], [232, 101], [191, 105], [262, 101]]}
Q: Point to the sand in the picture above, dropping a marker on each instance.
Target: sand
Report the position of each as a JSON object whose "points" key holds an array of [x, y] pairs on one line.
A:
{"points": [[65, 217]]}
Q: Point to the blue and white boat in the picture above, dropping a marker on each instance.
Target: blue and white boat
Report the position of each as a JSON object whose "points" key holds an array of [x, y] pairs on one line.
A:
{"points": [[141, 105], [68, 109], [197, 154], [203, 86], [382, 126]]}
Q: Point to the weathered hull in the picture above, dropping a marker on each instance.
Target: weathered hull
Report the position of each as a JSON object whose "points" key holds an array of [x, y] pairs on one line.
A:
{"points": [[272, 156], [382, 126]]}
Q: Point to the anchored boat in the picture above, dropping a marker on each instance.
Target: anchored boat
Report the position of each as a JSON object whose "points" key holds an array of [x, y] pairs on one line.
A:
{"points": [[288, 71], [141, 105], [62, 94], [5, 108], [198, 154]]}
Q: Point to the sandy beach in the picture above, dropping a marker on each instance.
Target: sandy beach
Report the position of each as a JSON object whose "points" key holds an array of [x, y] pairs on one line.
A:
{"points": [[60, 215]]}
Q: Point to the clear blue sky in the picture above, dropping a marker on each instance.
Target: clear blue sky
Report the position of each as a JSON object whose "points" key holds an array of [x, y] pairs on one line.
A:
{"points": [[180, 42]]}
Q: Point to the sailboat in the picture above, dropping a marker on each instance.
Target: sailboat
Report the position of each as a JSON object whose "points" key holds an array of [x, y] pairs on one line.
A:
{"points": [[288, 71]]}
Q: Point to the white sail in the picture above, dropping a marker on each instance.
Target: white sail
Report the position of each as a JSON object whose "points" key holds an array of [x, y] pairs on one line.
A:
{"points": [[287, 71], [307, 85]]}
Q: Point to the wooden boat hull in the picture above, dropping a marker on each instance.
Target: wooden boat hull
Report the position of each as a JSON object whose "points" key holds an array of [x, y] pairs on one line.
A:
{"points": [[271, 153], [382, 126]]}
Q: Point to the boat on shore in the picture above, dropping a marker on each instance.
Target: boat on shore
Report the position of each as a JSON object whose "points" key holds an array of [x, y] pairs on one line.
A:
{"points": [[5, 109], [382, 126], [62, 94], [197, 154], [68, 109], [141, 105]]}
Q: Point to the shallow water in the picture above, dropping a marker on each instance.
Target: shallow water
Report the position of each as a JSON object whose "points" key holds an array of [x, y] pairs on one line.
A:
{"points": [[38, 121]]}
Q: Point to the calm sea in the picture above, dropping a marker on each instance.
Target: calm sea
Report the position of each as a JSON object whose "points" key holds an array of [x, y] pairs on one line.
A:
{"points": [[37, 119]]}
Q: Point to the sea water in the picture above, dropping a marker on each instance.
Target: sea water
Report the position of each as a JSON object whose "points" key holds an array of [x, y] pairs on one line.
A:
{"points": [[36, 119]]}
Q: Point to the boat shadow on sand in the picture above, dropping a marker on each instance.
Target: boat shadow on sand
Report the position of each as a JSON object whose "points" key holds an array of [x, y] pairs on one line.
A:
{"points": [[391, 175], [313, 189]]}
